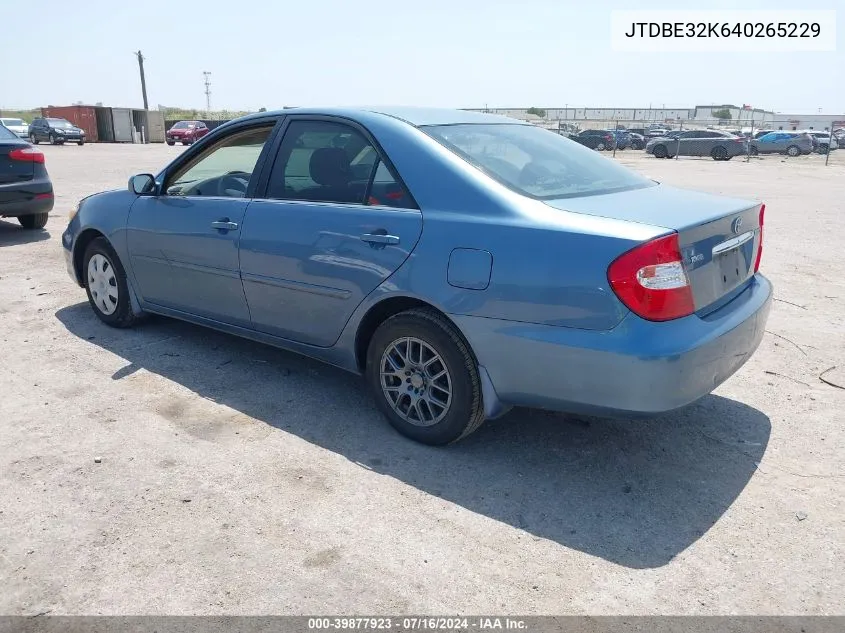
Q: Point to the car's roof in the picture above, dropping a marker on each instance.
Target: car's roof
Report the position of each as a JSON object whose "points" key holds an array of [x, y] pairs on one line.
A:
{"points": [[416, 116]]}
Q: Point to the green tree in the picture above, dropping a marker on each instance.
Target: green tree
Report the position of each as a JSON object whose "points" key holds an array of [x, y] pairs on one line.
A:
{"points": [[722, 113], [538, 111]]}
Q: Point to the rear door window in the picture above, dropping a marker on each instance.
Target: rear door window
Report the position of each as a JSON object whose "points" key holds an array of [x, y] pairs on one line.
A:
{"points": [[325, 161]]}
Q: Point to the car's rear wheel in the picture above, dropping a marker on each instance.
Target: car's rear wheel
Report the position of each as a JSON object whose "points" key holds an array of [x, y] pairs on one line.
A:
{"points": [[105, 283], [34, 220], [823, 149], [425, 377], [719, 153], [793, 150], [601, 147], [660, 151], [81, 143], [171, 142], [33, 139]]}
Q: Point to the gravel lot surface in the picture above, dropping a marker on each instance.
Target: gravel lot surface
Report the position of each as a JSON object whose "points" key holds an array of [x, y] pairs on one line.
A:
{"points": [[172, 469]]}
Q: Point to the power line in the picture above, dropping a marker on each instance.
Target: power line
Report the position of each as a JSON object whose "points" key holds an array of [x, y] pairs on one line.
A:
{"points": [[206, 75]]}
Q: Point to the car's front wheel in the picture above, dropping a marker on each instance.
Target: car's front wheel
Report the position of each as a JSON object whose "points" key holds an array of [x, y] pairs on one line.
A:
{"points": [[34, 220], [105, 283], [660, 151], [425, 378], [793, 150], [53, 139], [80, 143]]}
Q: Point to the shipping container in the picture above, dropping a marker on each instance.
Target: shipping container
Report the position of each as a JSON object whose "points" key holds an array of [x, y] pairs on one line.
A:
{"points": [[105, 125], [155, 131], [122, 123], [81, 116]]}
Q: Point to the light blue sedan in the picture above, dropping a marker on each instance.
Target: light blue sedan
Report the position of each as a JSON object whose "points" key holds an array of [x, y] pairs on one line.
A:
{"points": [[464, 263]]}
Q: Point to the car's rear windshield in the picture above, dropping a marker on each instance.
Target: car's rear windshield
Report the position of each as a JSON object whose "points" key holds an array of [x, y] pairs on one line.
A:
{"points": [[535, 162], [12, 121]]}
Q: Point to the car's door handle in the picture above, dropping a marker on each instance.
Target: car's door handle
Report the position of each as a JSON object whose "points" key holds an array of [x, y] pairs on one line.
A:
{"points": [[225, 225], [377, 238]]}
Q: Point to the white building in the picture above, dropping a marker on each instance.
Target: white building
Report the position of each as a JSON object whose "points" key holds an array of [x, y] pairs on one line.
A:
{"points": [[822, 122]]}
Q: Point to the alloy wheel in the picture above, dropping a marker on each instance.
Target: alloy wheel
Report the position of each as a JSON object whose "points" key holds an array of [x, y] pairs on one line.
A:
{"points": [[415, 381]]}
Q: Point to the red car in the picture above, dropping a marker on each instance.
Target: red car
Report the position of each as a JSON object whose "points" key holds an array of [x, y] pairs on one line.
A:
{"points": [[186, 132]]}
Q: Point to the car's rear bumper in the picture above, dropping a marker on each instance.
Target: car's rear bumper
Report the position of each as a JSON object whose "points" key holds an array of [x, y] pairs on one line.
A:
{"points": [[30, 205], [639, 368]]}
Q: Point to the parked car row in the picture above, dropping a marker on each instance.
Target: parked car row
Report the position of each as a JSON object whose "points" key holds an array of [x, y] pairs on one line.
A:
{"points": [[53, 130]]}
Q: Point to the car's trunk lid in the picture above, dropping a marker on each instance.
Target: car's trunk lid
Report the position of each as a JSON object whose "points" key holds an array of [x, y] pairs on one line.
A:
{"points": [[14, 171], [719, 236]]}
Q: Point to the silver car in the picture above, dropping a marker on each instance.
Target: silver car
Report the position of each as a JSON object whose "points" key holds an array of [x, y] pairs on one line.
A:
{"points": [[789, 143], [714, 143], [824, 142]]}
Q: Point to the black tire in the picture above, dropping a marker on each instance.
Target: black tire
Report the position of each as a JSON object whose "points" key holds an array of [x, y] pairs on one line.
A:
{"points": [[185, 143], [601, 147], [33, 139], [123, 316], [80, 143], [52, 139], [719, 153], [753, 151], [660, 151], [793, 150], [465, 412], [33, 221], [171, 143], [823, 149]]}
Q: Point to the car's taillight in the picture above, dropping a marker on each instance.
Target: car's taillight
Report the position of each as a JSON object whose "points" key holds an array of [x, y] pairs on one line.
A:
{"points": [[760, 247], [651, 280], [27, 155]]}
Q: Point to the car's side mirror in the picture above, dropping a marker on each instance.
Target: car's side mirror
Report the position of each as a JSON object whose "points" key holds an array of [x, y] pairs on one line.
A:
{"points": [[142, 185]]}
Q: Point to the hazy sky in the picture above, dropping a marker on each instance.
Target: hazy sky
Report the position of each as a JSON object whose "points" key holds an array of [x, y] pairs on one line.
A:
{"points": [[461, 53]]}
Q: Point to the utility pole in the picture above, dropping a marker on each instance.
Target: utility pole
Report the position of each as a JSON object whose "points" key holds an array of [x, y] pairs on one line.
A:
{"points": [[143, 80], [206, 75]]}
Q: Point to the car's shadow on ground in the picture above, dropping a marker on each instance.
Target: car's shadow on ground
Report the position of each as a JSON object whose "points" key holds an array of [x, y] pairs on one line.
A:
{"points": [[12, 233], [636, 493]]}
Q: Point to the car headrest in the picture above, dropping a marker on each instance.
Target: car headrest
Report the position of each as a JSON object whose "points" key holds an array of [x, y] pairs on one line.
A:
{"points": [[329, 167]]}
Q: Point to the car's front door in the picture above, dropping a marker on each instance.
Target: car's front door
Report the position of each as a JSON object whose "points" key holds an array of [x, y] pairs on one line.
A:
{"points": [[38, 130], [183, 242], [334, 223]]}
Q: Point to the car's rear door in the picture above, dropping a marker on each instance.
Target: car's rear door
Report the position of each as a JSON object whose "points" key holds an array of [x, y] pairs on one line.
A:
{"points": [[183, 242], [335, 222]]}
